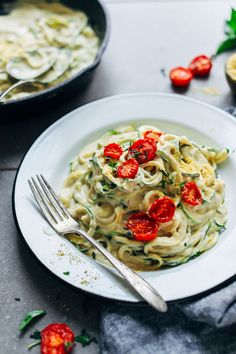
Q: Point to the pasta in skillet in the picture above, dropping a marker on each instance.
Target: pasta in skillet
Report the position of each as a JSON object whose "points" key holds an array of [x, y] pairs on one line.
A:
{"points": [[153, 199]]}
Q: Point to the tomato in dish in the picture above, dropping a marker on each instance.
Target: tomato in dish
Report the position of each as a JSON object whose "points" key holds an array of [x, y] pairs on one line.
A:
{"points": [[152, 135], [191, 194], [143, 150], [201, 65], [128, 169], [142, 227], [113, 150], [162, 210], [181, 76], [57, 338]]}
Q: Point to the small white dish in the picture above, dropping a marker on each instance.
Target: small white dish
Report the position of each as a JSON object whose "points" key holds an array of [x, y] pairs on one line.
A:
{"points": [[51, 154]]}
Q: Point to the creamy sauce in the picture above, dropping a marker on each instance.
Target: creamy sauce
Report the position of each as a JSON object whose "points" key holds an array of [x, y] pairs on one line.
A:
{"points": [[33, 25]]}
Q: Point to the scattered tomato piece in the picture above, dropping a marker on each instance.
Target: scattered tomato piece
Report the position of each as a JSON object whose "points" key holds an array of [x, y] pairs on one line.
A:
{"points": [[152, 135], [162, 210], [57, 338], [143, 150], [181, 76], [201, 65], [128, 169], [191, 194], [113, 150], [142, 226]]}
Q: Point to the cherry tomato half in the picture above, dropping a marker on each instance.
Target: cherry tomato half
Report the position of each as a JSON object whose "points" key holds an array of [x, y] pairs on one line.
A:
{"points": [[201, 65], [143, 150], [152, 135], [128, 169], [57, 338], [162, 210], [142, 226], [113, 150], [181, 76], [191, 194]]}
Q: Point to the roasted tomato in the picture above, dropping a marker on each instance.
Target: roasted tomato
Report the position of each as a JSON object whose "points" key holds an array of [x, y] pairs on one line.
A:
{"points": [[57, 338], [152, 135], [191, 194], [142, 227], [201, 65], [181, 76], [128, 169], [162, 210], [143, 150], [113, 150]]}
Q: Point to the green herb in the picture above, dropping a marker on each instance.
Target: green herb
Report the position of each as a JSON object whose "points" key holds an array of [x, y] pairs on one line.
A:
{"points": [[71, 166], [34, 344], [230, 32], [185, 244], [66, 273], [103, 243], [29, 317], [36, 335], [83, 250], [221, 228], [113, 164], [85, 339], [197, 254], [123, 204], [114, 132], [163, 183], [129, 234], [181, 185], [227, 150], [208, 228], [94, 255], [152, 261], [137, 252]]}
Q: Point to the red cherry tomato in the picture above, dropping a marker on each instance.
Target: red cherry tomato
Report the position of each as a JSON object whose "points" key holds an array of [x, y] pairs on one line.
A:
{"points": [[191, 194], [143, 150], [201, 65], [57, 338], [113, 150], [142, 226], [181, 76], [152, 135], [162, 210], [128, 169]]}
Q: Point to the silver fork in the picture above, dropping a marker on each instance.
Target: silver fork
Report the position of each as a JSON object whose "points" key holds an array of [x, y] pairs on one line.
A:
{"points": [[61, 221]]}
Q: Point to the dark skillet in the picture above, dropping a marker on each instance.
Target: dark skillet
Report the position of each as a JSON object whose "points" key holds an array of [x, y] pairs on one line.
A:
{"points": [[98, 19]]}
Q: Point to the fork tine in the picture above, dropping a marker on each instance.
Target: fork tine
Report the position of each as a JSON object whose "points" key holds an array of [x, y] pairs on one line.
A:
{"points": [[50, 208], [46, 212], [51, 200], [59, 203]]}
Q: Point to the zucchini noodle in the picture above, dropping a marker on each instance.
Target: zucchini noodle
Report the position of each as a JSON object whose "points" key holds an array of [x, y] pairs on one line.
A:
{"points": [[32, 25], [102, 202]]}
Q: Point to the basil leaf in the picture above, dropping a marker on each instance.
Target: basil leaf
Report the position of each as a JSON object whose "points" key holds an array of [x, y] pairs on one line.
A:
{"points": [[228, 44], [231, 24], [85, 339], [29, 317], [36, 335]]}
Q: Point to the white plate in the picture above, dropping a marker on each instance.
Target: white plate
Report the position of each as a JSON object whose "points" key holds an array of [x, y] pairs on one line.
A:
{"points": [[51, 153]]}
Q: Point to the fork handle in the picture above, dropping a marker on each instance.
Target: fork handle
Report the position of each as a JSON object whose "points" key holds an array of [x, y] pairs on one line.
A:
{"points": [[144, 289]]}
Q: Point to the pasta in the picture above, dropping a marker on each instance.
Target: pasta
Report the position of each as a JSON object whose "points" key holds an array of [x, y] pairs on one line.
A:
{"points": [[33, 25], [181, 176]]}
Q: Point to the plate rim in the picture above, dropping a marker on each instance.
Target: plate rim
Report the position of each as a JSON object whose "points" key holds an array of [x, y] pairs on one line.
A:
{"points": [[48, 131]]}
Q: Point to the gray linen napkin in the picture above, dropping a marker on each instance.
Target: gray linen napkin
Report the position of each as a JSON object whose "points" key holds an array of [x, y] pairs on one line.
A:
{"points": [[206, 325]]}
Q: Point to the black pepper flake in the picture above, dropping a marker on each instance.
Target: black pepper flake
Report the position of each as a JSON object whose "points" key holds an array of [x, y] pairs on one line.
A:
{"points": [[17, 299]]}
